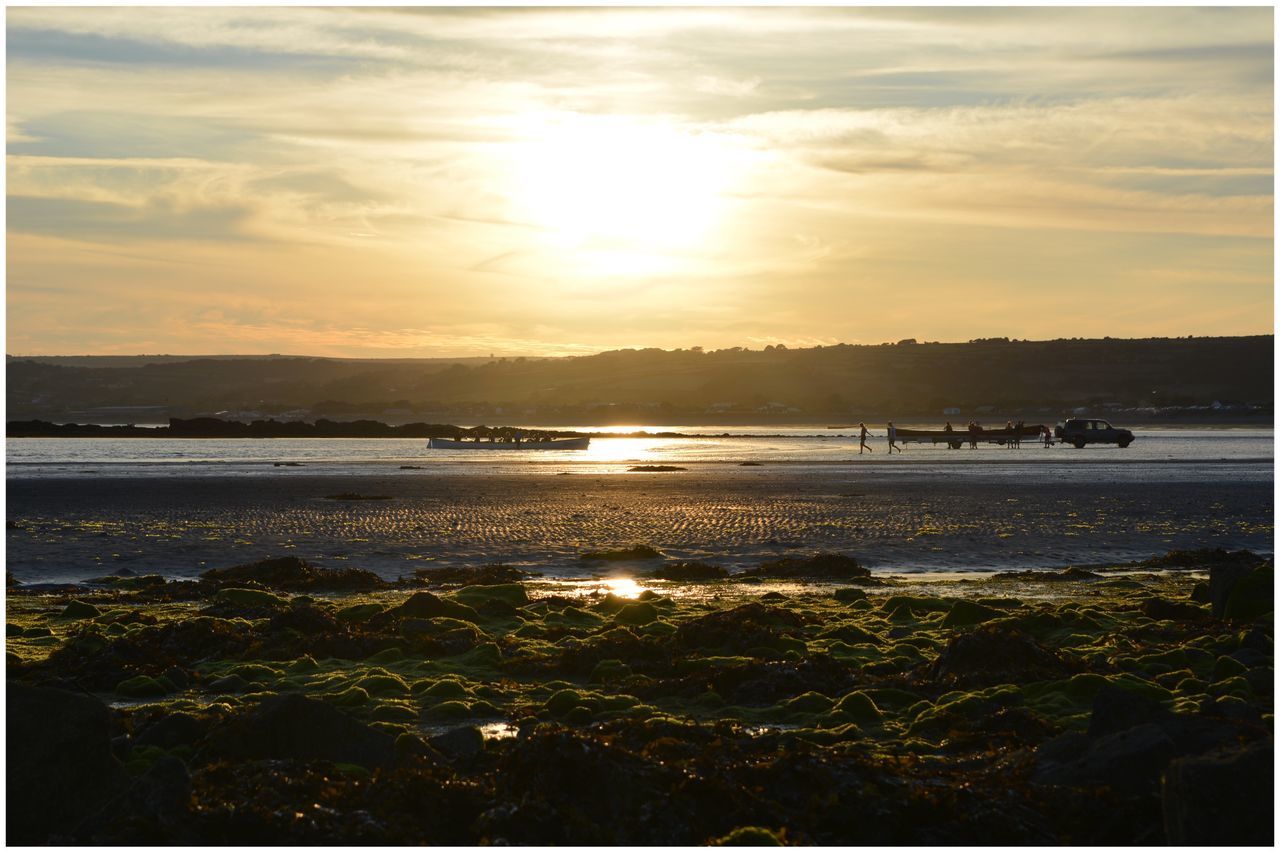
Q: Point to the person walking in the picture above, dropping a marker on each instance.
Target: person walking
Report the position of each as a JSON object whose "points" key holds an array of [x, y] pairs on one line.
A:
{"points": [[893, 436], [863, 440]]}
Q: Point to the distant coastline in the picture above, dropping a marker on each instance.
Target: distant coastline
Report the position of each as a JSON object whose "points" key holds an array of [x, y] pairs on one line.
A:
{"points": [[218, 428]]}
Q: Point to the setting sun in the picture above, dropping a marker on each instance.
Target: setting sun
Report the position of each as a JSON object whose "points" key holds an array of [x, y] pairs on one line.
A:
{"points": [[620, 188]]}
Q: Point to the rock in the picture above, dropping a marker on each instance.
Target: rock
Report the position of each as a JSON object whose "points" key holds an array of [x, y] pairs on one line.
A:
{"points": [[12, 630], [1222, 580], [825, 565], [995, 654], [691, 571], [59, 763], [640, 613], [174, 729], [155, 809], [1129, 761], [748, 836], [1163, 608], [428, 605], [736, 630], [1200, 593], [494, 573], [460, 742], [255, 598], [1221, 798], [1116, 709], [178, 677], [80, 610], [965, 612], [143, 687], [1251, 596], [1249, 658], [229, 684], [849, 594], [359, 612], [513, 594], [291, 573], [293, 726]]}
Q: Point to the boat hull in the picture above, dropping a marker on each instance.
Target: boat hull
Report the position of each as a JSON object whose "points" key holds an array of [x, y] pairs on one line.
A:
{"points": [[958, 437], [554, 444]]}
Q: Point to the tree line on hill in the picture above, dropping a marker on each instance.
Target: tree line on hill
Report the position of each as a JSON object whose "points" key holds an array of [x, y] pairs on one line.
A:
{"points": [[907, 377]]}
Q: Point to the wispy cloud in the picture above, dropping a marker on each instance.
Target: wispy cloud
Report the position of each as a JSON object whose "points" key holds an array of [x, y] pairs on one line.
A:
{"points": [[371, 167]]}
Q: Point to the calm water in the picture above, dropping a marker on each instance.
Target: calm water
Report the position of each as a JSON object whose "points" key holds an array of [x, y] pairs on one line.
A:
{"points": [[84, 507], [1178, 454]]}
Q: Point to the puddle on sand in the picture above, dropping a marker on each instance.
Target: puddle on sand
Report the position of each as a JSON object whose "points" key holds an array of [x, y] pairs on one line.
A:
{"points": [[498, 731]]}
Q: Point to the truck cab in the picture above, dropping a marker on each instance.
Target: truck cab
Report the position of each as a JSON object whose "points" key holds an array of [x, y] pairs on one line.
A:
{"points": [[1082, 431]]}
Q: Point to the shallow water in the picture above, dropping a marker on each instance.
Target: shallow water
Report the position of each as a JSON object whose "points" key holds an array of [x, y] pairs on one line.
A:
{"points": [[79, 508], [1190, 453]]}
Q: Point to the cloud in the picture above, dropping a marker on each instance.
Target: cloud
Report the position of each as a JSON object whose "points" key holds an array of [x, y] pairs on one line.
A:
{"points": [[360, 169], [102, 221]]}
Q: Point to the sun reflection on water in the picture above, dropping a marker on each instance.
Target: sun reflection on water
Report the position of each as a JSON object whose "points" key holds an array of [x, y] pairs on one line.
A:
{"points": [[624, 587]]}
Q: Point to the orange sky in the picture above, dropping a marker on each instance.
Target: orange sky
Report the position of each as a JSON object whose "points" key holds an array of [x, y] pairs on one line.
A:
{"points": [[409, 182]]}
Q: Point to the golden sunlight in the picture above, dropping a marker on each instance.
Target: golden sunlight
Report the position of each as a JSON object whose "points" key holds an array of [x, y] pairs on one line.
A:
{"points": [[620, 191], [624, 587]]}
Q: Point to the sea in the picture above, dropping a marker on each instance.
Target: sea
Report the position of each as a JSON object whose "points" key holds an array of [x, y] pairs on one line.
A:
{"points": [[79, 508], [1185, 454]]}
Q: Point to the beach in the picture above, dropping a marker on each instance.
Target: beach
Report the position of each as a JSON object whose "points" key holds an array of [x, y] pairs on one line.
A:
{"points": [[810, 702], [393, 522], [300, 644]]}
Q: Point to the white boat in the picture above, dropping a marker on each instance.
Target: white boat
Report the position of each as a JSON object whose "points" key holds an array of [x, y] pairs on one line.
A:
{"points": [[524, 444]]}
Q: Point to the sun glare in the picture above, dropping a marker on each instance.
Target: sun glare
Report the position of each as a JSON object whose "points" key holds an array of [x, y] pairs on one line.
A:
{"points": [[620, 189]]}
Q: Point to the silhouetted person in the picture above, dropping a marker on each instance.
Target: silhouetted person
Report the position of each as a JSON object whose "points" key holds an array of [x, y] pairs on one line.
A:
{"points": [[893, 436], [863, 440], [974, 429], [948, 428]]}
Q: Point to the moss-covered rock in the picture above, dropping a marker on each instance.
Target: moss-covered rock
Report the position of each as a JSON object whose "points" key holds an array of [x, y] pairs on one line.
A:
{"points": [[639, 613], [965, 612], [859, 706], [143, 687], [359, 612], [249, 598], [748, 836], [80, 610], [508, 593], [1252, 596]]}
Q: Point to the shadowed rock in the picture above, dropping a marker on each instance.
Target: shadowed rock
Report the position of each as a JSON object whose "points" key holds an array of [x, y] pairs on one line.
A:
{"points": [[1223, 797], [291, 573], [293, 726], [994, 654], [59, 767], [428, 605], [834, 566], [690, 571]]}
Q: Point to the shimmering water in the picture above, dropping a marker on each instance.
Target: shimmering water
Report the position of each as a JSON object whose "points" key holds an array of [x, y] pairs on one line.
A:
{"points": [[1194, 454]]}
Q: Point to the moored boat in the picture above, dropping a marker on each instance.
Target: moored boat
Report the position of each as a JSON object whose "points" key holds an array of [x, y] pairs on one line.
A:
{"points": [[579, 443]]}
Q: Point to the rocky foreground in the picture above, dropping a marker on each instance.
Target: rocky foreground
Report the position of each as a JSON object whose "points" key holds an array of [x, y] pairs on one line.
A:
{"points": [[807, 703]]}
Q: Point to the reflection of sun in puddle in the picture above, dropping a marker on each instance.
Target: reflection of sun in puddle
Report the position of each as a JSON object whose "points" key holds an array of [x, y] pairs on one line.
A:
{"points": [[498, 731], [624, 587]]}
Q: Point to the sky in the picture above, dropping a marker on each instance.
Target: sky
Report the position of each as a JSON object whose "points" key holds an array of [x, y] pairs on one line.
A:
{"points": [[367, 182]]}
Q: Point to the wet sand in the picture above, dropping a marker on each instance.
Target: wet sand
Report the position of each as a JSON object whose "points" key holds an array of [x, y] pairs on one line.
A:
{"points": [[73, 528]]}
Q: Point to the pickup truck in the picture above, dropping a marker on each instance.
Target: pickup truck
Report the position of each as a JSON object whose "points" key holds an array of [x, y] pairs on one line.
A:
{"points": [[1082, 431]]}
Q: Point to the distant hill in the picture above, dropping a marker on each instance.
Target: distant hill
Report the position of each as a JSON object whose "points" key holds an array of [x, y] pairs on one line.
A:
{"points": [[994, 377]]}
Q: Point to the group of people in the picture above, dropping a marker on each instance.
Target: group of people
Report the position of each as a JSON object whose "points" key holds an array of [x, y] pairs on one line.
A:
{"points": [[862, 439]]}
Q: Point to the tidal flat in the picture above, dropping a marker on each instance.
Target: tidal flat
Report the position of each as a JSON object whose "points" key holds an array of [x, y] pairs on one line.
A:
{"points": [[809, 702]]}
